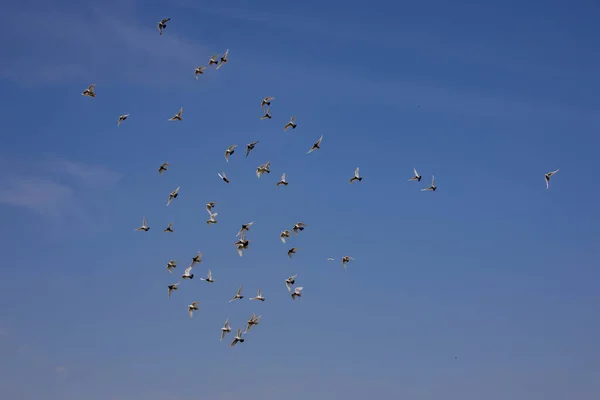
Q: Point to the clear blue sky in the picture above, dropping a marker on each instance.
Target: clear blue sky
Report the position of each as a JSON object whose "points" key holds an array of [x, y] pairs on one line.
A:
{"points": [[492, 268]]}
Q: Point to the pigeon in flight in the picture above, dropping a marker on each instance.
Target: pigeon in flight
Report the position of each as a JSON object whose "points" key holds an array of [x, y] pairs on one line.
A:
{"points": [[162, 25], [170, 265], [330, 259], [250, 147], [208, 278], [209, 206], [416, 177], [432, 187], [290, 124], [238, 338], [169, 228], [197, 259], [316, 146], [224, 177], [214, 60], [193, 307], [187, 274], [252, 321], [121, 119], [292, 251], [230, 150], [297, 292], [263, 169], [259, 296], [238, 295], [356, 176], [223, 59], [266, 102], [163, 167], [290, 281], [284, 235], [244, 228], [299, 227], [144, 226], [172, 287], [199, 71], [225, 329], [548, 176], [173, 195], [177, 117], [212, 219], [346, 260], [267, 114], [90, 91], [282, 181]]}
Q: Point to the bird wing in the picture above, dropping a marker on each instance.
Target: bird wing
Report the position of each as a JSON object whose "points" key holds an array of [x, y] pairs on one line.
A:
{"points": [[357, 172], [188, 269], [416, 173], [239, 291]]}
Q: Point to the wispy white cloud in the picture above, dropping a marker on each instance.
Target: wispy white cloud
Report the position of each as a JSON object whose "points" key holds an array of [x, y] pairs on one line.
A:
{"points": [[90, 175], [60, 369]]}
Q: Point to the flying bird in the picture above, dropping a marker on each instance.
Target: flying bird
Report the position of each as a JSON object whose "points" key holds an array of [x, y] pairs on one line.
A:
{"points": [[223, 59], [250, 147], [208, 278], [162, 25], [346, 260], [284, 235], [297, 292], [238, 295], [212, 219], [90, 91], [172, 287], [199, 71], [238, 338], [187, 274], [193, 307], [209, 206], [230, 150], [330, 259], [214, 60], [266, 101], [548, 176], [299, 227], [290, 281], [432, 187], [252, 321], [316, 146], [356, 176], [224, 177], [225, 329], [267, 114], [197, 259], [259, 296], [169, 227], [292, 251], [173, 195], [177, 117], [242, 244], [282, 181], [122, 118], [170, 265], [245, 227], [290, 124], [263, 169], [144, 226], [416, 177], [163, 167]]}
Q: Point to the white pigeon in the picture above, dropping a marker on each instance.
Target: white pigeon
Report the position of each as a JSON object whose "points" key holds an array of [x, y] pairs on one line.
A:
{"points": [[144, 226], [299, 227], [330, 259], [199, 71], [416, 177], [238, 338], [432, 187], [297, 292], [197, 259], [290, 124], [238, 295], [250, 146], [223, 59], [282, 181], [230, 150], [224, 177], [245, 227], [172, 287], [267, 114], [356, 176], [169, 227], [193, 307], [284, 235], [212, 219], [173, 195], [290, 281], [163, 167], [187, 274], [210, 206], [266, 101], [316, 146], [208, 278], [177, 117], [225, 329], [259, 296], [252, 321], [346, 260], [90, 91], [162, 24], [548, 176], [122, 118], [170, 265]]}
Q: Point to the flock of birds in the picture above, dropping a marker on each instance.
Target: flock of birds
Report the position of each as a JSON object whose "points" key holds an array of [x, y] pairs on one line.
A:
{"points": [[242, 244]]}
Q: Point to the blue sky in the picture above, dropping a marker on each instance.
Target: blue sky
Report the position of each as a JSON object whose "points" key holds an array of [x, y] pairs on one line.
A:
{"points": [[491, 268]]}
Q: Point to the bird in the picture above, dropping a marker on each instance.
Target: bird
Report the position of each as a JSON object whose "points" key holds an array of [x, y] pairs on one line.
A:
{"points": [[242, 244], [90, 91], [267, 114], [208, 278], [282, 181], [214, 60], [299, 227], [238, 338], [346, 260], [330, 259], [259, 296], [297, 292], [356, 176], [197, 259], [432, 187], [290, 124], [172, 287], [284, 235], [225, 329], [238, 295], [230, 150], [209, 206], [163, 167], [212, 219], [290, 281], [316, 146], [245, 227], [177, 117], [162, 25], [416, 177], [193, 307], [223, 59], [250, 147], [169, 227], [144, 226], [187, 274], [122, 118], [252, 321], [292, 251], [199, 71], [170, 265], [548, 176], [263, 169], [173, 195], [224, 177], [266, 101]]}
